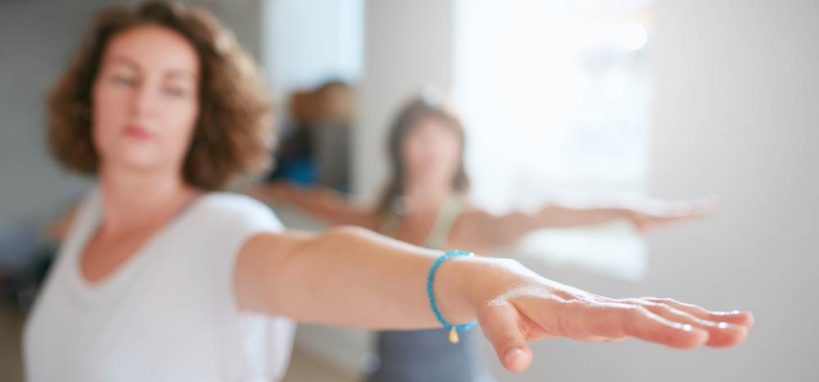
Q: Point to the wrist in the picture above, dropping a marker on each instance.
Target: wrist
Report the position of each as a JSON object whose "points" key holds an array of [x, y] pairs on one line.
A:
{"points": [[450, 283], [465, 285]]}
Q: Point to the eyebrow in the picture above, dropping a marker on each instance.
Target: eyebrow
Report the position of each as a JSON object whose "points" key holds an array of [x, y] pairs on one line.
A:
{"points": [[124, 60], [180, 74], [171, 74]]}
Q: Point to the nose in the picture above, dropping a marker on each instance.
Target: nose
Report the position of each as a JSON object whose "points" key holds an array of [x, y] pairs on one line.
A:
{"points": [[144, 102]]}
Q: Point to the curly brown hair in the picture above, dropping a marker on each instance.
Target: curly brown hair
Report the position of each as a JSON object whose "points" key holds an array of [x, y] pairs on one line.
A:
{"points": [[233, 133]]}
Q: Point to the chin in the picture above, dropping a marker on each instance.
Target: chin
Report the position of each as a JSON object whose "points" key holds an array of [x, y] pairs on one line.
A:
{"points": [[431, 177], [135, 159]]}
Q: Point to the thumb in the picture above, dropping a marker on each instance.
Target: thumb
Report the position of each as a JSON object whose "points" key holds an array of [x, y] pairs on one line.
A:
{"points": [[499, 322]]}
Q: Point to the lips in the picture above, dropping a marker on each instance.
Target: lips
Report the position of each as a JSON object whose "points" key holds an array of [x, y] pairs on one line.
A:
{"points": [[138, 132]]}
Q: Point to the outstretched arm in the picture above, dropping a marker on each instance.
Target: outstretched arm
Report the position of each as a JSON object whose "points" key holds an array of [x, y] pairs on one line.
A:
{"points": [[502, 230], [321, 202], [353, 277]]}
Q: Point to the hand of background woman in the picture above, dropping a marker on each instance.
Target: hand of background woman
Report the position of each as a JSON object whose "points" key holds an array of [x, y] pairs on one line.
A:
{"points": [[647, 215]]}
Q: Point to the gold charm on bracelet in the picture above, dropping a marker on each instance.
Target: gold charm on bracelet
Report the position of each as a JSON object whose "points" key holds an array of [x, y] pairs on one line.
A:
{"points": [[453, 335]]}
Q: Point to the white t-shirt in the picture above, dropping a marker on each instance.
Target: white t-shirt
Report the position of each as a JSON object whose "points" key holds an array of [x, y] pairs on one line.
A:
{"points": [[167, 314]]}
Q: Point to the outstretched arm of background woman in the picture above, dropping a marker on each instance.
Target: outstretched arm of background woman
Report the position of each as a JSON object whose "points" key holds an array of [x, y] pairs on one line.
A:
{"points": [[490, 230], [321, 202]]}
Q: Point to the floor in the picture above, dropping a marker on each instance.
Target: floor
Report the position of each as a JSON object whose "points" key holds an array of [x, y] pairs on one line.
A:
{"points": [[303, 366], [11, 323]]}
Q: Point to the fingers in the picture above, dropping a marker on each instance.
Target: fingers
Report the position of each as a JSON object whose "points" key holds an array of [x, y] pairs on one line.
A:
{"points": [[720, 333], [735, 317], [532, 314], [700, 208], [607, 320], [612, 321], [500, 324], [707, 205], [671, 212]]}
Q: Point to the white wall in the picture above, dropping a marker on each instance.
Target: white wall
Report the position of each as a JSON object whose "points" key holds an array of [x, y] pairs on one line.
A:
{"points": [[735, 113], [308, 42], [408, 45], [737, 90]]}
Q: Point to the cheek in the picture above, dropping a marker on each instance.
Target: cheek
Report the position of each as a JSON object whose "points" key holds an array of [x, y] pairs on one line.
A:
{"points": [[415, 152], [108, 113], [181, 122], [453, 155], [446, 148], [448, 155]]}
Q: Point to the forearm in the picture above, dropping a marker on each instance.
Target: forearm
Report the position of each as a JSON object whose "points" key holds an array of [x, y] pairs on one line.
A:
{"points": [[353, 277], [573, 216], [320, 202], [509, 228], [642, 213]]}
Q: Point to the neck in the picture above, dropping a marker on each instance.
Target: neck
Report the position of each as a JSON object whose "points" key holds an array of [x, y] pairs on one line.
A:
{"points": [[427, 196], [132, 200]]}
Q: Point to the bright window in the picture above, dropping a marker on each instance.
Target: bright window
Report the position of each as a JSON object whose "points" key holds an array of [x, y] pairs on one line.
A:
{"points": [[554, 95]]}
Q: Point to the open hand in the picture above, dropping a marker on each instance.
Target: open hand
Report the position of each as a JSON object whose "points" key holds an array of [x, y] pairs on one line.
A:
{"points": [[531, 307]]}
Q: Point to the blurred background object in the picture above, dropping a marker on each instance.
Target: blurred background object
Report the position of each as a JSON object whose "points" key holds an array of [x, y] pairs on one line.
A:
{"points": [[314, 141]]}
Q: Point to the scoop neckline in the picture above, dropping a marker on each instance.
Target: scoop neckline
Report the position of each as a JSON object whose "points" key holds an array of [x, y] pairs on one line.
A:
{"points": [[107, 286]]}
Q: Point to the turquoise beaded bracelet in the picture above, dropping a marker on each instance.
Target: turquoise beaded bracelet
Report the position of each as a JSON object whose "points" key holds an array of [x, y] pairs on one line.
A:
{"points": [[453, 329]]}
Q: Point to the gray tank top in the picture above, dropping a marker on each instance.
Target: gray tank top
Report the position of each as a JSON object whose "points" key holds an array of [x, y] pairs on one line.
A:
{"points": [[427, 355]]}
